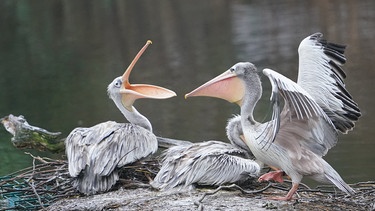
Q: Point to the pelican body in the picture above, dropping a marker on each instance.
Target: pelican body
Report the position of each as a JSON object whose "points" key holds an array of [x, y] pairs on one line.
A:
{"points": [[300, 133], [208, 163], [95, 154]]}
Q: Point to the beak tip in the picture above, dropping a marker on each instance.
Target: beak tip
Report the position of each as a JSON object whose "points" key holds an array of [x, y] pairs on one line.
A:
{"points": [[170, 94], [149, 42]]}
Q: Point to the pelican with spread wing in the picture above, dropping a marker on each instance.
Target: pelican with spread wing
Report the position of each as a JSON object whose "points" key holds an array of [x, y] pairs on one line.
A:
{"points": [[95, 154], [301, 132]]}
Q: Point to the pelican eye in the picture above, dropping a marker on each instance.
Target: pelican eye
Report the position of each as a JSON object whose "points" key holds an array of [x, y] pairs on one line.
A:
{"points": [[232, 69], [118, 83]]}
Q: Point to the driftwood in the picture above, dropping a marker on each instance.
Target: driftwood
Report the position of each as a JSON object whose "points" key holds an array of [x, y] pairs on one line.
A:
{"points": [[28, 136]]}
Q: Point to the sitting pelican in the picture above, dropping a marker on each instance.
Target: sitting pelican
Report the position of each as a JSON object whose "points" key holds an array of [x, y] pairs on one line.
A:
{"points": [[207, 163], [95, 154], [315, 109]]}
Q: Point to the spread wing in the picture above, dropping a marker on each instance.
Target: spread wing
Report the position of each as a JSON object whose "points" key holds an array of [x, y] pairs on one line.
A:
{"points": [[320, 74], [302, 122]]}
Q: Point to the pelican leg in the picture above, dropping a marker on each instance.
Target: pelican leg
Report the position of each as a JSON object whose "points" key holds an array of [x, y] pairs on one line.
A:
{"points": [[273, 175], [288, 196]]}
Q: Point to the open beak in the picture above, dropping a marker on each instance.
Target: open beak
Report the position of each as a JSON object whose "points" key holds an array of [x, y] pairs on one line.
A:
{"points": [[131, 92], [226, 86]]}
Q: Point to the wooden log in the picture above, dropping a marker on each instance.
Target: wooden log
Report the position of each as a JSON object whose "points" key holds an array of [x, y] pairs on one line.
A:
{"points": [[28, 136]]}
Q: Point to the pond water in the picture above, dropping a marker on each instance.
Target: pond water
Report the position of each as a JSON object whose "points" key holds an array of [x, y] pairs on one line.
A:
{"points": [[57, 58]]}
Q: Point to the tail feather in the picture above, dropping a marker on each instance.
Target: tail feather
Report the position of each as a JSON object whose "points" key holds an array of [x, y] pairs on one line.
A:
{"points": [[339, 182], [90, 184], [334, 177]]}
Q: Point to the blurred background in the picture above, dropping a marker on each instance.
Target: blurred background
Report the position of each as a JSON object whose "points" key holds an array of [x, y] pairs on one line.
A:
{"points": [[57, 58]]}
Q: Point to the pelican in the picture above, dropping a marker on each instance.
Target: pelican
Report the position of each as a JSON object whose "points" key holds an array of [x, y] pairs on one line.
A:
{"points": [[301, 132], [95, 154], [207, 163]]}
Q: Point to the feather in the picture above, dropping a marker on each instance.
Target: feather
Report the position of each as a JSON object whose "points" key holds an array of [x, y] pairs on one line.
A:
{"points": [[95, 153], [322, 60]]}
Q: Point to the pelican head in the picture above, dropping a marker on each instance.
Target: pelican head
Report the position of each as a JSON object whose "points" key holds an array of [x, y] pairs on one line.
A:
{"points": [[123, 93], [231, 85]]}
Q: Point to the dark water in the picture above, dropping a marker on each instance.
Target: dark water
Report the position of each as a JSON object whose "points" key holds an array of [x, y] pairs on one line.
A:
{"points": [[57, 58]]}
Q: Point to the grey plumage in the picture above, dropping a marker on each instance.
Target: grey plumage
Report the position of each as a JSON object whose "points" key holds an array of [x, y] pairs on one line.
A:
{"points": [[95, 154], [207, 163]]}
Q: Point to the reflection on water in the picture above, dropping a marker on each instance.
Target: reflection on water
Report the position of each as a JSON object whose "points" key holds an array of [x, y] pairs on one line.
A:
{"points": [[57, 57]]}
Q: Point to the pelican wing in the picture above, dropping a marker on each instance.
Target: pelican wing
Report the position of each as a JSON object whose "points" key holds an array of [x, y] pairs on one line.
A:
{"points": [[220, 169], [82, 142], [76, 151], [121, 144], [205, 163], [321, 75], [106, 146], [302, 119]]}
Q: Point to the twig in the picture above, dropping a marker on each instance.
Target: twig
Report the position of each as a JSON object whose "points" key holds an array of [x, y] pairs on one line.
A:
{"points": [[36, 157], [36, 194], [43, 173], [130, 183], [362, 183], [199, 202], [32, 184]]}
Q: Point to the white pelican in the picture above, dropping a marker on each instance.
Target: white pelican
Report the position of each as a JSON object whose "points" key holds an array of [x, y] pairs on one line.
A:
{"points": [[94, 154], [207, 163], [315, 109]]}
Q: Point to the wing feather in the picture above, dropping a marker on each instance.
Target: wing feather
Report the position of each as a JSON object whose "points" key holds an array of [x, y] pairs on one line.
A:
{"points": [[321, 75], [76, 151], [126, 144], [301, 117], [205, 163], [107, 146]]}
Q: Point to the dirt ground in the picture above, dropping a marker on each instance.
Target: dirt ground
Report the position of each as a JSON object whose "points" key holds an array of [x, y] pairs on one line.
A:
{"points": [[147, 199]]}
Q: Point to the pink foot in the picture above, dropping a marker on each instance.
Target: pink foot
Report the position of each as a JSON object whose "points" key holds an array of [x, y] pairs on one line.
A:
{"points": [[288, 196], [273, 175]]}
